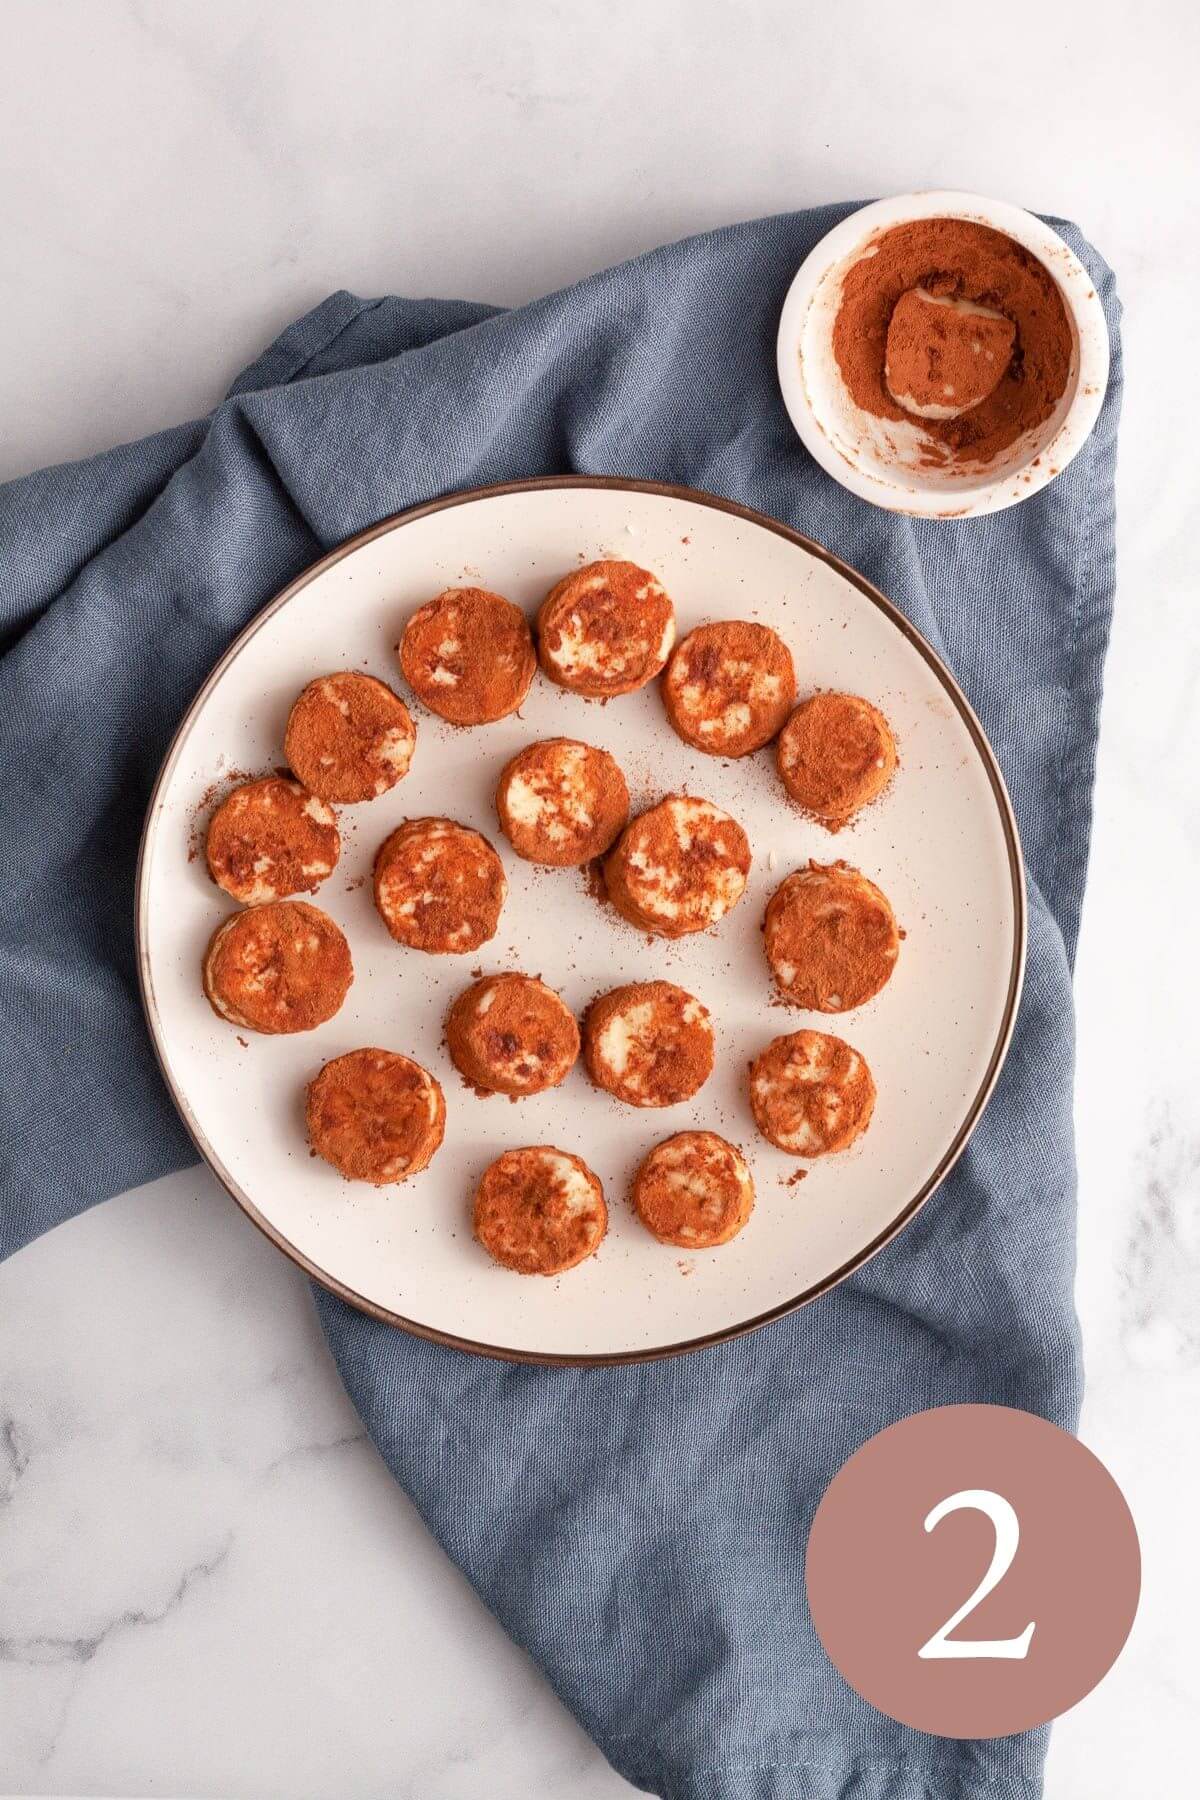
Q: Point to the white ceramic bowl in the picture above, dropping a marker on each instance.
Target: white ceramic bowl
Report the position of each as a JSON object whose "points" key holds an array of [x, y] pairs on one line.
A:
{"points": [[880, 460]]}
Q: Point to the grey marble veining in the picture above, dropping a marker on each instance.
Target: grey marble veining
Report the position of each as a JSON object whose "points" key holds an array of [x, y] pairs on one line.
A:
{"points": [[209, 1585]]}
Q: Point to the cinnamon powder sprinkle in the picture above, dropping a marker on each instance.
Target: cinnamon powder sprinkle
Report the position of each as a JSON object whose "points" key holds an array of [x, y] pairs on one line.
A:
{"points": [[961, 260]]}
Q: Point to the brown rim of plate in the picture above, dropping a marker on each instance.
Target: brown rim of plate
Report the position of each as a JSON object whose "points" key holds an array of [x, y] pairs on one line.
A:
{"points": [[1015, 868]]}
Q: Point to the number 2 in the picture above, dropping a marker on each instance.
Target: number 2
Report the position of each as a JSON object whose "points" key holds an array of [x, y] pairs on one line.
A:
{"points": [[1008, 1532]]}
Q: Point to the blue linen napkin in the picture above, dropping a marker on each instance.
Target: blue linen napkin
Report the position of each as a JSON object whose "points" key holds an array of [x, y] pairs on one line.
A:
{"points": [[639, 1530]]}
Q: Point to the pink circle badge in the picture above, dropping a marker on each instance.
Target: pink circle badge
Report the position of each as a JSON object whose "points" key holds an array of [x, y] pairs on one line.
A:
{"points": [[973, 1571]]}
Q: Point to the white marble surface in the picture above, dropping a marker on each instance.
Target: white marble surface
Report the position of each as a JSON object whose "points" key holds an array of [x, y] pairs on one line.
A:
{"points": [[208, 1583]]}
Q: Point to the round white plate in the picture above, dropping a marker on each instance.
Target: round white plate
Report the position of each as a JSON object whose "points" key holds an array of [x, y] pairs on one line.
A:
{"points": [[941, 843]]}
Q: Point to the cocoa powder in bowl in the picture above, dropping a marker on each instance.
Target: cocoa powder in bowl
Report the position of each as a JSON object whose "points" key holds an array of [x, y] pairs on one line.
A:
{"points": [[956, 259]]}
